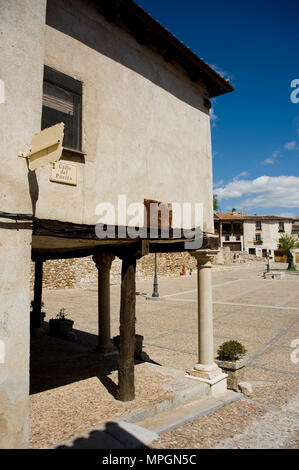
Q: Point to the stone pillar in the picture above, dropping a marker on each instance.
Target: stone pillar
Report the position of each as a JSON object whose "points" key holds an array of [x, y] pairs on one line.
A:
{"points": [[103, 263], [206, 370], [36, 320]]}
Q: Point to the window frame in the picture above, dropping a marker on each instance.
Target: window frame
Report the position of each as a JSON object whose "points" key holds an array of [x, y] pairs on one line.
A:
{"points": [[75, 87], [281, 227]]}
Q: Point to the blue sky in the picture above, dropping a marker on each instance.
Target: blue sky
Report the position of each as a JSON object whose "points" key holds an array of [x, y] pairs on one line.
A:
{"points": [[255, 129]]}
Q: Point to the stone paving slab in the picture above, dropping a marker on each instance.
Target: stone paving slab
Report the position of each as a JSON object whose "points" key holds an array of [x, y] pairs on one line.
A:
{"points": [[245, 334], [277, 358], [261, 320], [271, 387], [271, 432], [207, 431], [291, 335]]}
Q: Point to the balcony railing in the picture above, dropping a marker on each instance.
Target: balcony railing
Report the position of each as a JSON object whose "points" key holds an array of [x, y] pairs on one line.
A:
{"points": [[257, 242]]}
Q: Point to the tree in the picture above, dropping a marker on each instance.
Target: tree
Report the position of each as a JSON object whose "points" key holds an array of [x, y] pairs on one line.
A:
{"points": [[287, 243], [215, 203]]}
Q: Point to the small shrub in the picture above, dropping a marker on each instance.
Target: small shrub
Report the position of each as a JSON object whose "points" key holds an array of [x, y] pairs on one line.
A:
{"points": [[61, 315], [231, 351]]}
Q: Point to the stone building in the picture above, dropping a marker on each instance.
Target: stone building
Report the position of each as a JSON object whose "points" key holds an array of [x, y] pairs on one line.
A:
{"points": [[256, 234], [262, 234], [295, 233], [230, 229], [135, 106]]}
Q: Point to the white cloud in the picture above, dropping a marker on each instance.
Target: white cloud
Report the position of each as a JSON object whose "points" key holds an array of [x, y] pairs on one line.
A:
{"points": [[292, 145], [221, 72], [213, 117], [271, 160], [243, 173], [268, 161], [287, 214], [265, 191]]}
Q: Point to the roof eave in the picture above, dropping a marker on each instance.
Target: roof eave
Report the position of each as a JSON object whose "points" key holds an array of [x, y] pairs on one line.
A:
{"points": [[149, 31]]}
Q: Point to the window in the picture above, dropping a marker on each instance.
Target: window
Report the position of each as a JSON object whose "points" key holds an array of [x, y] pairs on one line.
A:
{"points": [[237, 228], [258, 225], [238, 238], [62, 102], [226, 228], [258, 237], [281, 227], [252, 251], [226, 238]]}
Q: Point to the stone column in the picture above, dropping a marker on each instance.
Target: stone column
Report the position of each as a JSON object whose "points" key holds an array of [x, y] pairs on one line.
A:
{"points": [[103, 263], [206, 370]]}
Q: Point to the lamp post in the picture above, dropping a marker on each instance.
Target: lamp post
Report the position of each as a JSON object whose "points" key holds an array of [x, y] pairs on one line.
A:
{"points": [[268, 262], [155, 290]]}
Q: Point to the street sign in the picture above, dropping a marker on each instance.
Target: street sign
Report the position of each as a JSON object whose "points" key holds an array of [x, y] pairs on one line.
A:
{"points": [[63, 172], [46, 147]]}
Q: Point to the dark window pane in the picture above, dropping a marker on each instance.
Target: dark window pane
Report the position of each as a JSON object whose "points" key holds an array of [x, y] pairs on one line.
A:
{"points": [[62, 105]]}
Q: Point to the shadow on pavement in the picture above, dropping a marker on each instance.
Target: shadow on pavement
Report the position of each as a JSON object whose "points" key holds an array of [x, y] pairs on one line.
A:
{"points": [[112, 437], [55, 362]]}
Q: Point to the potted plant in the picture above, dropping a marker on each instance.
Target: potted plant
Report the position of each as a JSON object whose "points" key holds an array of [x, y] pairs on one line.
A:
{"points": [[230, 358], [138, 345], [61, 326]]}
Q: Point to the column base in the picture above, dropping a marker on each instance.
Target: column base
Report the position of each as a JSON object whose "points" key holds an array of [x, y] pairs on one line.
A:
{"points": [[211, 375], [106, 349], [39, 331]]}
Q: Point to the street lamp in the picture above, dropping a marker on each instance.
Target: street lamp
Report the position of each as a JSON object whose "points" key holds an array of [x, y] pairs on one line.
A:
{"points": [[155, 290], [268, 262]]}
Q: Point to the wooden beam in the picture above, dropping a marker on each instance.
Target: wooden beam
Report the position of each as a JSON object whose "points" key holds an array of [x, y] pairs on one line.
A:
{"points": [[126, 385]]}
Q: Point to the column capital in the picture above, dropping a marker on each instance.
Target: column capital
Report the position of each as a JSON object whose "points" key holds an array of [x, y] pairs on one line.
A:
{"points": [[103, 261], [204, 257]]}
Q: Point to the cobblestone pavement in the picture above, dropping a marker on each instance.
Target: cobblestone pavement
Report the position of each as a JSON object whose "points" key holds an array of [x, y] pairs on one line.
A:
{"points": [[262, 314]]}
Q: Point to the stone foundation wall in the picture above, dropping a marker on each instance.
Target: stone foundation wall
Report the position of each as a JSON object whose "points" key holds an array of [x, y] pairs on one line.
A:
{"points": [[80, 272]]}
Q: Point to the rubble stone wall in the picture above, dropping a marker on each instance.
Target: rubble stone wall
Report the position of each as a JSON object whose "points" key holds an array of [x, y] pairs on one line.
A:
{"points": [[79, 272]]}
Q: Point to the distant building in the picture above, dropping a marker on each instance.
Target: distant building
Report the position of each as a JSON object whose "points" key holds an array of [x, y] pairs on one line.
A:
{"points": [[256, 234], [295, 233]]}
